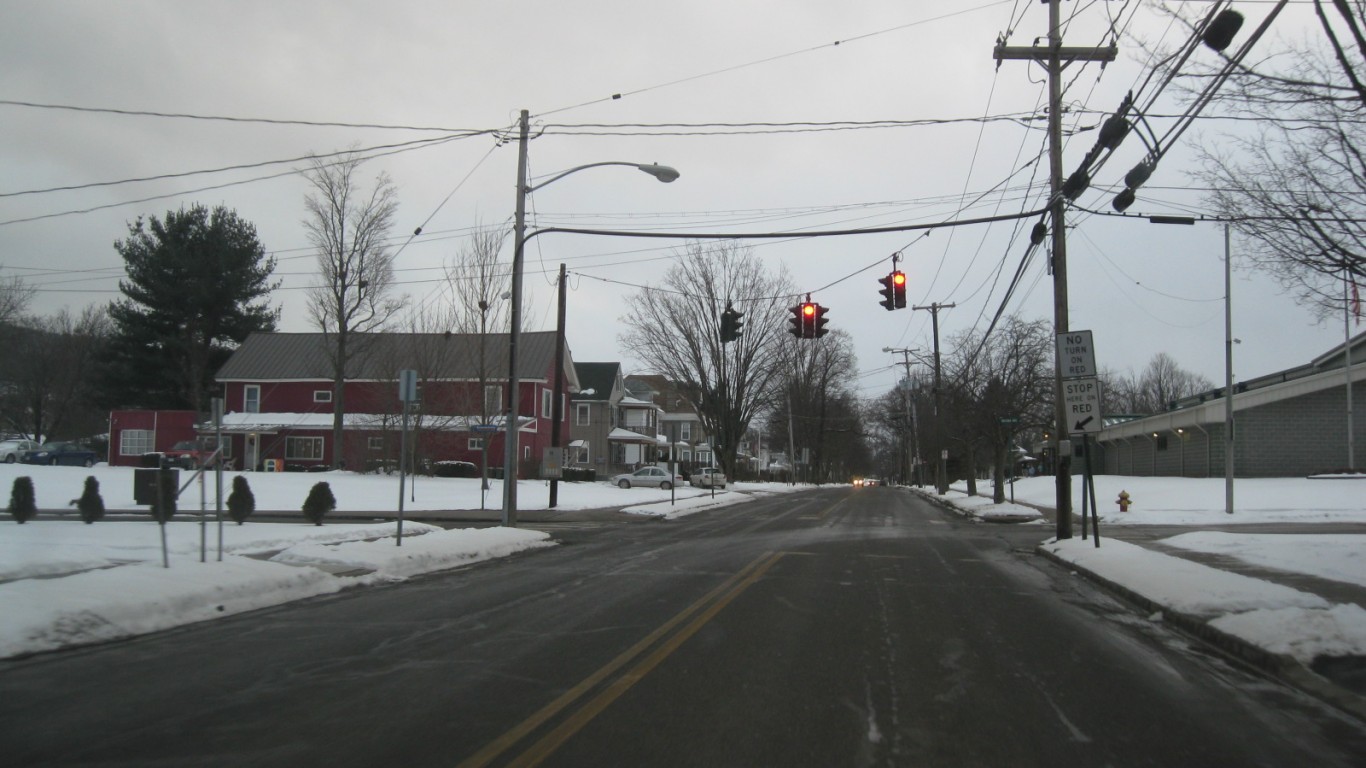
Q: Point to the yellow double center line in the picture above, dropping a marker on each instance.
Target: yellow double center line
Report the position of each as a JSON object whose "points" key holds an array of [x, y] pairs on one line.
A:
{"points": [[699, 612]]}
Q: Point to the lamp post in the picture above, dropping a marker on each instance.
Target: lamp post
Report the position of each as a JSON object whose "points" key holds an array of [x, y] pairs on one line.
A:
{"points": [[662, 172]]}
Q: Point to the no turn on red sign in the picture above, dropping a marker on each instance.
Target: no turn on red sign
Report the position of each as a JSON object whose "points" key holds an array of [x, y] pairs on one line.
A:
{"points": [[1081, 403]]}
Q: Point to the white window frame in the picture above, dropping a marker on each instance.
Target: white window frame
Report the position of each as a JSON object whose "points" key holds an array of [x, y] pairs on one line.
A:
{"points": [[685, 431], [292, 445], [581, 455], [583, 415], [374, 443], [322, 395], [547, 403], [135, 442], [475, 444], [251, 398]]}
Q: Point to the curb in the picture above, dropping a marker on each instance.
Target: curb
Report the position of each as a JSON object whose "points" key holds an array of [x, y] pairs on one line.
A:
{"points": [[1278, 666]]}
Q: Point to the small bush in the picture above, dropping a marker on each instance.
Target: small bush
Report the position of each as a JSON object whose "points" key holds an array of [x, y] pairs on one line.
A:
{"points": [[455, 469], [579, 475], [23, 502], [241, 502], [320, 501], [90, 503]]}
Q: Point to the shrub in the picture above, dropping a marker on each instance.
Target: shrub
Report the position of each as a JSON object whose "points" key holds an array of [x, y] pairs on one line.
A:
{"points": [[90, 503], [579, 475], [320, 501], [455, 469], [23, 503], [241, 501]]}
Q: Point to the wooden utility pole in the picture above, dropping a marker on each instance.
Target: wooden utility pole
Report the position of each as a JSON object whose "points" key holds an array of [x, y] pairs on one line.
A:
{"points": [[1054, 57], [941, 473]]}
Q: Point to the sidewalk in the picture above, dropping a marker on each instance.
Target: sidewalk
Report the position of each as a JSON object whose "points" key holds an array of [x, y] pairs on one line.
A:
{"points": [[1306, 631]]}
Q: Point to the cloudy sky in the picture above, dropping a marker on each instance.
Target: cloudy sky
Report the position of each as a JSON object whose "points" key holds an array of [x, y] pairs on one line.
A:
{"points": [[953, 140]]}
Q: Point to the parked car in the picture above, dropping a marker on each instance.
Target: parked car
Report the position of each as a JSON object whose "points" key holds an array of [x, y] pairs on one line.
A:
{"points": [[708, 477], [70, 454], [14, 450], [187, 453], [647, 477]]}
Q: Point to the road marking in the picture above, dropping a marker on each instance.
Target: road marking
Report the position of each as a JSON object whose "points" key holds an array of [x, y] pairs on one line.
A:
{"points": [[707, 607]]}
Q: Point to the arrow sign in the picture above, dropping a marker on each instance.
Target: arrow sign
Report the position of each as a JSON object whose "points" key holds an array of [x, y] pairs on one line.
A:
{"points": [[1081, 400]]}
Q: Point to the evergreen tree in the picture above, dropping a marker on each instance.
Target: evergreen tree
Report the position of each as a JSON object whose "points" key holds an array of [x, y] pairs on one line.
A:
{"points": [[241, 502], [320, 501], [23, 502], [90, 503], [198, 284]]}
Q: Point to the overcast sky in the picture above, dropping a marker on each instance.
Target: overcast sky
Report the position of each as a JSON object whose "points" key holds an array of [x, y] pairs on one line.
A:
{"points": [[435, 68]]}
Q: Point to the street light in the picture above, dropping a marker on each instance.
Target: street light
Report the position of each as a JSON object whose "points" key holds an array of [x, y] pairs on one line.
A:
{"points": [[662, 172]]}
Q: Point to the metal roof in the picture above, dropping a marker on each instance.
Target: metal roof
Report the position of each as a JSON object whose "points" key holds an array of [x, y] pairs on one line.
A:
{"points": [[380, 356]]}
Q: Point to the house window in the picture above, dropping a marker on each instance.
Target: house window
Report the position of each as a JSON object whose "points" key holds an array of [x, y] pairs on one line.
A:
{"points": [[303, 448], [374, 443], [547, 403], [210, 443], [476, 444], [251, 398], [135, 442], [322, 395], [583, 414], [493, 399], [579, 455], [685, 431]]}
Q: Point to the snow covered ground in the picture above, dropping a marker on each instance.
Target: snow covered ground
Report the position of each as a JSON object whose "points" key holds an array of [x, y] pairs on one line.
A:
{"points": [[1268, 615], [63, 583]]}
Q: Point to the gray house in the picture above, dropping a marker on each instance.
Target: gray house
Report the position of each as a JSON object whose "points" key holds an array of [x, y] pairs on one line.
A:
{"points": [[1287, 424]]}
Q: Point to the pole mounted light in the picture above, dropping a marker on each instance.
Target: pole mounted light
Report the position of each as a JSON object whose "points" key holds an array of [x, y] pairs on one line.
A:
{"points": [[663, 173]]}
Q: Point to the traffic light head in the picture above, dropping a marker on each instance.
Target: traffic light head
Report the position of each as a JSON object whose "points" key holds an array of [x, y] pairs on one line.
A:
{"points": [[888, 292], [818, 325], [730, 325], [899, 288], [797, 321]]}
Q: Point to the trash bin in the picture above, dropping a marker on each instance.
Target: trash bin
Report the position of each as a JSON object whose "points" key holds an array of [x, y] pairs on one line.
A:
{"points": [[145, 485], [151, 460]]}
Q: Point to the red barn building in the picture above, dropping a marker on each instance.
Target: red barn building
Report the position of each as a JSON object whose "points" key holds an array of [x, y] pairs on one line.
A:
{"points": [[279, 395]]}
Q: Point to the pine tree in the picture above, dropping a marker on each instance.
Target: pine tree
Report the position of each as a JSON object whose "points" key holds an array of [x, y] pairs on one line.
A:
{"points": [[90, 503], [241, 502], [320, 501], [23, 502], [198, 284]]}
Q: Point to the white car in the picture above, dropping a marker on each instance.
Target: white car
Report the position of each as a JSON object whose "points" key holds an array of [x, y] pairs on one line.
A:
{"points": [[647, 477], [14, 450], [708, 477]]}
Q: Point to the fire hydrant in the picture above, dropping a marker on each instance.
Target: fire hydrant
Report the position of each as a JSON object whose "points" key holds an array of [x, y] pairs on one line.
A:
{"points": [[1124, 501]]}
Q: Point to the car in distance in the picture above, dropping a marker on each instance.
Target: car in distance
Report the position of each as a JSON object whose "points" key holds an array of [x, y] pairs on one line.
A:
{"points": [[187, 454], [708, 477], [14, 450], [69, 454], [647, 477]]}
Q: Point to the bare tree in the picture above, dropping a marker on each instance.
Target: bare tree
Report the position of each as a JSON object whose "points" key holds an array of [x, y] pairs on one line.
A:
{"points": [[51, 362], [348, 226], [996, 388], [15, 296], [674, 329], [1293, 177]]}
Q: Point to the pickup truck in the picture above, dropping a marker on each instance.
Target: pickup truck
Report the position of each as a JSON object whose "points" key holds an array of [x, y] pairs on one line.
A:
{"points": [[708, 477]]}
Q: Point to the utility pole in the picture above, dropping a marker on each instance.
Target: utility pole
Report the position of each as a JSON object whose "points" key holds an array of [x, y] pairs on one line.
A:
{"points": [[1053, 56], [941, 482], [556, 408], [912, 448]]}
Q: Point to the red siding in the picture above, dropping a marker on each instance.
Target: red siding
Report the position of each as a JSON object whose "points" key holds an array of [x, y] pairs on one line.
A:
{"points": [[168, 428]]}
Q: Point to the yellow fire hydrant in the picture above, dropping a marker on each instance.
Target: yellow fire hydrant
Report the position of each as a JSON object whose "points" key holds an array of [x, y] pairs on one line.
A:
{"points": [[1124, 501]]}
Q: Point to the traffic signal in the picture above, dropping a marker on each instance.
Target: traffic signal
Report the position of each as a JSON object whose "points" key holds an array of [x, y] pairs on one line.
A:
{"points": [[810, 311], [796, 321], [818, 322], [888, 292], [730, 324], [899, 288]]}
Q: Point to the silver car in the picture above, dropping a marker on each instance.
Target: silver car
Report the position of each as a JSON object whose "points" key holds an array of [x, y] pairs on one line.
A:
{"points": [[14, 450], [708, 477], [647, 477]]}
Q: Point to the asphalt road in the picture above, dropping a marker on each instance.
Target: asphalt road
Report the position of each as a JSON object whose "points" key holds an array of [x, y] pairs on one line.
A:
{"points": [[829, 628]]}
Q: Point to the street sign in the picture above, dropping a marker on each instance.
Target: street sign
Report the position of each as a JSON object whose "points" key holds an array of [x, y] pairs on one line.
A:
{"points": [[552, 463], [484, 428], [407, 386], [1081, 402], [1076, 354]]}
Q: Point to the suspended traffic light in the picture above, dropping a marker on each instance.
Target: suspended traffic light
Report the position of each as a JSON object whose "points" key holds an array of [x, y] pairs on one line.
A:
{"points": [[818, 322], [899, 288], [730, 324], [888, 292], [796, 321], [1220, 32], [810, 311]]}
